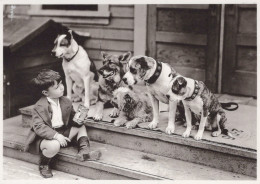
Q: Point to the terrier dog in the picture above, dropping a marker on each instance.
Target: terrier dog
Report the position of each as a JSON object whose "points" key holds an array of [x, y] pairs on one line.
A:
{"points": [[197, 98], [111, 74], [134, 108], [80, 72], [157, 76]]}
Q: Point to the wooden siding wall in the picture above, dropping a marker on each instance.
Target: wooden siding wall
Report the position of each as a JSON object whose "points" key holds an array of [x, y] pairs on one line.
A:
{"points": [[116, 38]]}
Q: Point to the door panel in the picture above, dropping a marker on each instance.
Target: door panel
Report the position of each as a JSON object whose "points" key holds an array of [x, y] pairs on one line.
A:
{"points": [[239, 59], [186, 37]]}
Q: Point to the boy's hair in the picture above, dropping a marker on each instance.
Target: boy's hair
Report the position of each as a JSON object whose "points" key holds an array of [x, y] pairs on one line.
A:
{"points": [[45, 79]]}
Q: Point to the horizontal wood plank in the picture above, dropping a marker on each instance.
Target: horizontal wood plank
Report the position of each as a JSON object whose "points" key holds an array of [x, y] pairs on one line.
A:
{"points": [[183, 38], [86, 20], [122, 11], [194, 73], [243, 83], [109, 45], [108, 33], [96, 53], [246, 59], [182, 55], [247, 5], [114, 23], [183, 20], [247, 19], [184, 6], [246, 40]]}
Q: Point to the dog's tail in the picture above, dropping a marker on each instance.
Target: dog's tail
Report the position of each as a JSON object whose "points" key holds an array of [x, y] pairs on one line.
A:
{"points": [[227, 106], [227, 133]]}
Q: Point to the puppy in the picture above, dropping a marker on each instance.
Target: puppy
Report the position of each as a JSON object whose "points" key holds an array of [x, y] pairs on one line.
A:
{"points": [[157, 76], [111, 74], [80, 73], [197, 98], [134, 108]]}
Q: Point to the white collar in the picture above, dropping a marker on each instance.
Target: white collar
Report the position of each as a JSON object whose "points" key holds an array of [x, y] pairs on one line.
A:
{"points": [[52, 101]]}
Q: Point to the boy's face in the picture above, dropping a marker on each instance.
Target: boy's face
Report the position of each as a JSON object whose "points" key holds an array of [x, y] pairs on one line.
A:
{"points": [[55, 91]]}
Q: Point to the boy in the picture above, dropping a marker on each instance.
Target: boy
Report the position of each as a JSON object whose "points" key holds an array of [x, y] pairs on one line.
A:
{"points": [[52, 126]]}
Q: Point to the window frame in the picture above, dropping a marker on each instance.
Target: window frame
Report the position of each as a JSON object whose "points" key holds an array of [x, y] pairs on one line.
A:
{"points": [[102, 14]]}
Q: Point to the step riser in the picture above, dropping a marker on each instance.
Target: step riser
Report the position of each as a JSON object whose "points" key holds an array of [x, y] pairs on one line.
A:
{"points": [[63, 165], [225, 161]]}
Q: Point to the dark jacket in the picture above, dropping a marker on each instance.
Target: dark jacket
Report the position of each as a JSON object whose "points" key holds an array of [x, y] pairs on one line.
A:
{"points": [[41, 126]]}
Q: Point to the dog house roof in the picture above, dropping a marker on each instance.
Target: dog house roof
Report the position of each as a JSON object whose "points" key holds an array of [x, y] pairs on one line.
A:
{"points": [[18, 32]]}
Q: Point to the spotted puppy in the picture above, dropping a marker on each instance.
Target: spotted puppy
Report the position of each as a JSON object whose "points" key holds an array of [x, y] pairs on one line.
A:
{"points": [[197, 98], [110, 79], [134, 107]]}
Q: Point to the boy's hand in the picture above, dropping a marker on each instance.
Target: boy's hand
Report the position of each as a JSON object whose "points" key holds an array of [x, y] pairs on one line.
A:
{"points": [[62, 140]]}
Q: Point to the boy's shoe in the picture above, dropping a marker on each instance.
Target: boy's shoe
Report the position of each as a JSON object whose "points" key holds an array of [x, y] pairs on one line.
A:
{"points": [[84, 152], [44, 167]]}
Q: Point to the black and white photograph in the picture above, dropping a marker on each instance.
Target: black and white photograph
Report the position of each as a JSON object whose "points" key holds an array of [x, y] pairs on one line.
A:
{"points": [[129, 91]]}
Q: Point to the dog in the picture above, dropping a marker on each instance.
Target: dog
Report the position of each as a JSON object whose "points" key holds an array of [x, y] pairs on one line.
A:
{"points": [[134, 108], [80, 73], [157, 77], [197, 98], [110, 79]]}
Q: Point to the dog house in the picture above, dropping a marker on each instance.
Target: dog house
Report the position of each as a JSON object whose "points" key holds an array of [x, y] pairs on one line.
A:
{"points": [[27, 49]]}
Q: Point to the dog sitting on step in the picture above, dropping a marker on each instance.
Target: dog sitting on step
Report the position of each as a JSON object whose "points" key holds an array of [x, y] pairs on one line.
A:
{"points": [[197, 98], [133, 108], [80, 72]]}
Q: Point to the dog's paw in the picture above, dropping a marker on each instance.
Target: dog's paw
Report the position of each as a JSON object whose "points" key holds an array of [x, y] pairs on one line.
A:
{"points": [[114, 113], [118, 122], [170, 129], [152, 125], [130, 125], [76, 99], [216, 133], [198, 136], [98, 117], [186, 133]]}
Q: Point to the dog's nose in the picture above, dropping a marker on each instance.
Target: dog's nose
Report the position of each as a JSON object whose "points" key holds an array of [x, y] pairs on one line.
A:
{"points": [[168, 96], [101, 71], [53, 53], [125, 80]]}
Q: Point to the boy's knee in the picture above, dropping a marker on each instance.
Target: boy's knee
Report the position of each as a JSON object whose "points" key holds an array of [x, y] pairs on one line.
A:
{"points": [[53, 148]]}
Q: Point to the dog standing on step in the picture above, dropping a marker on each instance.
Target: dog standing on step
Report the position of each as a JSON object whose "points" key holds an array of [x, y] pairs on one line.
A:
{"points": [[134, 108], [197, 98], [110, 79], [157, 76], [80, 72]]}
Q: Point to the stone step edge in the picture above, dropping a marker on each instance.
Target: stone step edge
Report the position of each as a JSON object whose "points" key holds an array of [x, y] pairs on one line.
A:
{"points": [[96, 165], [176, 139]]}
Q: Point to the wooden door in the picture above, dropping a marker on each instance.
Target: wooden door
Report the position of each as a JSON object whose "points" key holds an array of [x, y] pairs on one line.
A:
{"points": [[186, 37], [239, 59]]}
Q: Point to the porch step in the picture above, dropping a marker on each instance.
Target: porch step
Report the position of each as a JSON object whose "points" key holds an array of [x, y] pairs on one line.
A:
{"points": [[218, 155], [115, 163]]}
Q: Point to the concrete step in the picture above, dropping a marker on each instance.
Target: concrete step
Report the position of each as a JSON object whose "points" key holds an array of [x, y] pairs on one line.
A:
{"points": [[14, 169], [117, 163], [215, 155], [240, 159]]}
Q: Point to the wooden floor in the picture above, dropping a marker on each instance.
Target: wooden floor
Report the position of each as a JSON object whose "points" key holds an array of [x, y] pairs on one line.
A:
{"points": [[14, 169]]}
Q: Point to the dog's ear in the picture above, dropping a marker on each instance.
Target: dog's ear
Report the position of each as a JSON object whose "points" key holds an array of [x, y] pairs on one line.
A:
{"points": [[104, 54], [69, 35], [130, 87], [182, 82], [124, 58]]}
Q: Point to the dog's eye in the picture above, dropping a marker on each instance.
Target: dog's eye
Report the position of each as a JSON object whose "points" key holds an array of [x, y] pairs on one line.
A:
{"points": [[133, 70]]}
